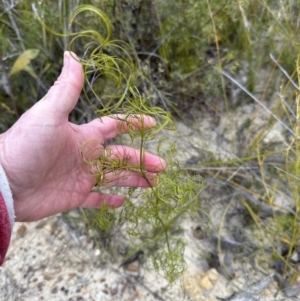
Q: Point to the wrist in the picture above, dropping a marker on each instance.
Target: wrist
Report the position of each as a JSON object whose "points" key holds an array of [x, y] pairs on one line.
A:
{"points": [[5, 229], [7, 196], [5, 190]]}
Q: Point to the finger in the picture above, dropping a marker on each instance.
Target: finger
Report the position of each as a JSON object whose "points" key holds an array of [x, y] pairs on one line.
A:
{"points": [[130, 157], [64, 94], [98, 199], [114, 157], [111, 126], [129, 179]]}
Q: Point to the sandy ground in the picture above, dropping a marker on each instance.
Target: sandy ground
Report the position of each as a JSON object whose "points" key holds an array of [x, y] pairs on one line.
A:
{"points": [[47, 260]]}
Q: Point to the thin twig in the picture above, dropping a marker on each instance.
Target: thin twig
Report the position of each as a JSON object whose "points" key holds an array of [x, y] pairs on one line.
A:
{"points": [[284, 72], [257, 101]]}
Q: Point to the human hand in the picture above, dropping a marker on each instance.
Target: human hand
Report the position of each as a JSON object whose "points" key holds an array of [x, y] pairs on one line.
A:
{"points": [[41, 154]]}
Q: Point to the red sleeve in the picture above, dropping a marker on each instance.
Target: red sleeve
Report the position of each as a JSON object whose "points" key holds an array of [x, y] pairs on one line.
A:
{"points": [[5, 229]]}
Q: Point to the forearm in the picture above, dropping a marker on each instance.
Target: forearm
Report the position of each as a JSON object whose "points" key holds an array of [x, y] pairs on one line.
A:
{"points": [[6, 215]]}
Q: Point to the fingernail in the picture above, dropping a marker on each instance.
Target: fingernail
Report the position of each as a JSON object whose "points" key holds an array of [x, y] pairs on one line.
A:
{"points": [[66, 58], [155, 180], [154, 121]]}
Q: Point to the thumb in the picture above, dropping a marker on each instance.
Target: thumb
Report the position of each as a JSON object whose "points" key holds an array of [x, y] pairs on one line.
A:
{"points": [[64, 94]]}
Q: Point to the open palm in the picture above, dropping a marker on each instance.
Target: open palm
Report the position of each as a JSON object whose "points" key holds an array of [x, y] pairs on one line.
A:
{"points": [[41, 154]]}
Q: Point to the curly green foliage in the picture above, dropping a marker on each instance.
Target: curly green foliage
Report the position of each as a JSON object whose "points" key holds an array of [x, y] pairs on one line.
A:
{"points": [[155, 214], [153, 217]]}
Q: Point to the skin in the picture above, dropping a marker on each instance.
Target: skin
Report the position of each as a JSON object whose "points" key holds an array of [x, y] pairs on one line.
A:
{"points": [[41, 153]]}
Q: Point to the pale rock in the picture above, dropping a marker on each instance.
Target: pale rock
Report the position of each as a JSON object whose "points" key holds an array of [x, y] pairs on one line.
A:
{"points": [[213, 275], [206, 283]]}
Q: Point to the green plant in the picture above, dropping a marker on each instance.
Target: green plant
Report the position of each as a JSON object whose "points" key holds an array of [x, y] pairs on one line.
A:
{"points": [[109, 67]]}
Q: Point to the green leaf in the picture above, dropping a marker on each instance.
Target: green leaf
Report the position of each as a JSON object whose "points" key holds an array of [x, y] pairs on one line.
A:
{"points": [[23, 61]]}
